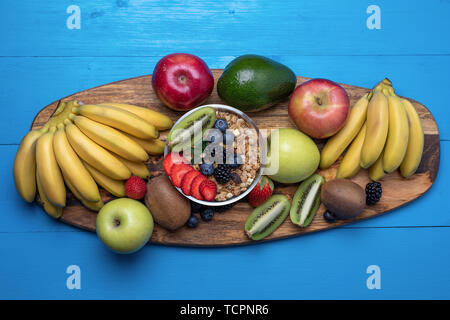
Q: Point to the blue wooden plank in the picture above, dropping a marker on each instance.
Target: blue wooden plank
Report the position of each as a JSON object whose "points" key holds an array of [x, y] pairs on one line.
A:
{"points": [[429, 210], [124, 28], [32, 83], [413, 264]]}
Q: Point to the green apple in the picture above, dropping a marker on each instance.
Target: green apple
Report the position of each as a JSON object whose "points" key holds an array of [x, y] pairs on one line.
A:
{"points": [[292, 157], [124, 225]]}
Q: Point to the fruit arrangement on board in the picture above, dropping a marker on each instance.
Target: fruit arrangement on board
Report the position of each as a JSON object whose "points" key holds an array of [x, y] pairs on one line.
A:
{"points": [[215, 155]]}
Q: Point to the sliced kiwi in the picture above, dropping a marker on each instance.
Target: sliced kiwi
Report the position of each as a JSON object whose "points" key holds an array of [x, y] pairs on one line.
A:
{"points": [[266, 218], [306, 200], [192, 127]]}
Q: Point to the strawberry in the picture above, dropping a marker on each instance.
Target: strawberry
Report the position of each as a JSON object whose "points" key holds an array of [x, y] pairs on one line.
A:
{"points": [[195, 186], [170, 159], [261, 192], [187, 181], [208, 189], [178, 171], [135, 188]]}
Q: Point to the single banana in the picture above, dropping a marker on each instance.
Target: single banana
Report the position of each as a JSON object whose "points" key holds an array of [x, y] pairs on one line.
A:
{"points": [[48, 170], [350, 164], [377, 128], [111, 139], [376, 171], [115, 187], [159, 120], [72, 167], [49, 208], [398, 134], [24, 169], [138, 169], [94, 206], [119, 119], [95, 155], [337, 143], [414, 150], [154, 147]]}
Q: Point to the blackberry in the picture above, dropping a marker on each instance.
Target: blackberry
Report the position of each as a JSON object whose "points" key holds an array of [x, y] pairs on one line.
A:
{"points": [[373, 193], [222, 173]]}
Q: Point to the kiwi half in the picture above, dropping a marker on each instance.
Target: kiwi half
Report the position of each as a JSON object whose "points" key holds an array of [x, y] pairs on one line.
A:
{"points": [[266, 218], [306, 201], [191, 127]]}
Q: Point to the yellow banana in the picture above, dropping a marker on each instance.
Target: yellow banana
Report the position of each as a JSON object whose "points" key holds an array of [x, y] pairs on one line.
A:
{"points": [[376, 171], [414, 150], [377, 128], [111, 139], [95, 155], [49, 208], [159, 120], [94, 206], [337, 143], [24, 169], [119, 119], [350, 164], [154, 147], [72, 167], [138, 169], [398, 134], [49, 173], [115, 187]]}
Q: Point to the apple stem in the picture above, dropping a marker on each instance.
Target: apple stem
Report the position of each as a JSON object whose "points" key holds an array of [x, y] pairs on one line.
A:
{"points": [[116, 222]]}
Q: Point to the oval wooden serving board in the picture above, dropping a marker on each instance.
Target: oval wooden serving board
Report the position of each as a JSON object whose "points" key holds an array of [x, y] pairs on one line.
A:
{"points": [[228, 228]]}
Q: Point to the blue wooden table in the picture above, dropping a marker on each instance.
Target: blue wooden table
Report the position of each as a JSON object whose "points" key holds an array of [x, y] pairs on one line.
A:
{"points": [[46, 52]]}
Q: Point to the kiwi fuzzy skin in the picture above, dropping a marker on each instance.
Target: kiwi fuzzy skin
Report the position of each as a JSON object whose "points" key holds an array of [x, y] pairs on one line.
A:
{"points": [[345, 198]]}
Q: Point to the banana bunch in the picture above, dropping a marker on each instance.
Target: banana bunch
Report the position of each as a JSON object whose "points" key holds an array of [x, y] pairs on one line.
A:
{"points": [[84, 146], [383, 133]]}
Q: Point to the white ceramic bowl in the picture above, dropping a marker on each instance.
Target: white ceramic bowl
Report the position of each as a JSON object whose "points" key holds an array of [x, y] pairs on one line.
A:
{"points": [[262, 148]]}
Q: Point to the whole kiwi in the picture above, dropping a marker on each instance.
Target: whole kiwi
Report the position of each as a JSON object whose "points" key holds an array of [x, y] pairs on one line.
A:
{"points": [[344, 198], [169, 208]]}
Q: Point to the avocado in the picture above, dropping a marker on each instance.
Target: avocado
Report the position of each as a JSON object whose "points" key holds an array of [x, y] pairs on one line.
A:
{"points": [[252, 83]]}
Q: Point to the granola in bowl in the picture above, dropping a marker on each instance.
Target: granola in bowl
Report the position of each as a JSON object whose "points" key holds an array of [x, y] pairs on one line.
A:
{"points": [[230, 155]]}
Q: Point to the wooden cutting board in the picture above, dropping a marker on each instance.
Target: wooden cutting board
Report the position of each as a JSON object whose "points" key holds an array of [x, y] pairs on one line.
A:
{"points": [[228, 228]]}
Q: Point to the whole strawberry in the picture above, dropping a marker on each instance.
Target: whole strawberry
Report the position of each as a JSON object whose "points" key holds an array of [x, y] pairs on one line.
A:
{"points": [[261, 192], [135, 188]]}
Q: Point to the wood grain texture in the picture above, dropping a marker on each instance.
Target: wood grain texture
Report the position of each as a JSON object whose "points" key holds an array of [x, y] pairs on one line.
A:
{"points": [[228, 228]]}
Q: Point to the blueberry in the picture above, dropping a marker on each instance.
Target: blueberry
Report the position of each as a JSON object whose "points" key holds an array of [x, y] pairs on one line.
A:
{"points": [[329, 217], [196, 207], [207, 214], [228, 137], [221, 124], [207, 169], [192, 222]]}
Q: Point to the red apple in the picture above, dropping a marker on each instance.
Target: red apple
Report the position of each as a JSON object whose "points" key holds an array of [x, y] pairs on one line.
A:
{"points": [[319, 107], [182, 81]]}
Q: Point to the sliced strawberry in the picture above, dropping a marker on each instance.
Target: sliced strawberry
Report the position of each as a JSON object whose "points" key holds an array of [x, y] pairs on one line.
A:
{"points": [[195, 186], [178, 172], [170, 159], [208, 189], [187, 181]]}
